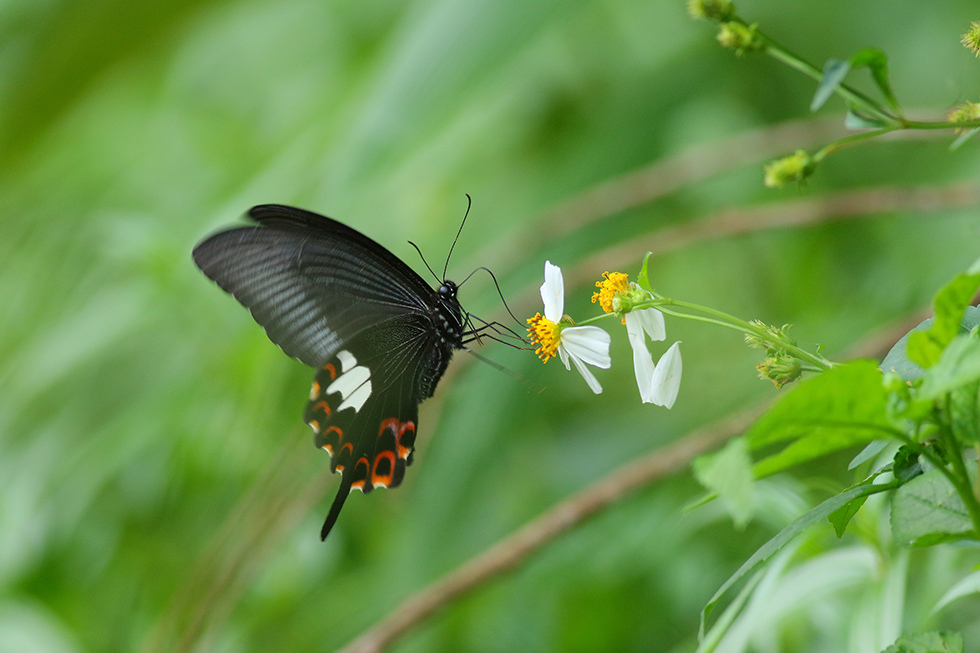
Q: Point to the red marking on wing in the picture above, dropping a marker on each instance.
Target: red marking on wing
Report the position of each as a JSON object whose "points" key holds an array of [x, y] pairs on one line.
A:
{"points": [[331, 370], [361, 468], [324, 406], [383, 479], [398, 430]]}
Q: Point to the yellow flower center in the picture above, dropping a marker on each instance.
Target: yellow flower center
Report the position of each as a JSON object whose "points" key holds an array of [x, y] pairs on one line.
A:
{"points": [[544, 334], [613, 283]]}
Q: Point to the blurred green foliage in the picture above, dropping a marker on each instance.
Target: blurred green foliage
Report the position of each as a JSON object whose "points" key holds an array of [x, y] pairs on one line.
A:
{"points": [[158, 489]]}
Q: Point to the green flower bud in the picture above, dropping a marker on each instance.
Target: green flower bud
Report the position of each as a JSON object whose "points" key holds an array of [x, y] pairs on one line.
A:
{"points": [[795, 167]]}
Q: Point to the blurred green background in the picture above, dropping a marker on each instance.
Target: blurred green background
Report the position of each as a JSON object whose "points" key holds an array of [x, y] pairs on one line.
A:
{"points": [[158, 489]]}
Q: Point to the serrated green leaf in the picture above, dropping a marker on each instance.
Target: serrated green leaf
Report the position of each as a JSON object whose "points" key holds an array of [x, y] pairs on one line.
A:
{"points": [[964, 412], [931, 642], [897, 360], [905, 464], [927, 510], [800, 524], [834, 72], [877, 61], [728, 473], [840, 408], [958, 366], [950, 303]]}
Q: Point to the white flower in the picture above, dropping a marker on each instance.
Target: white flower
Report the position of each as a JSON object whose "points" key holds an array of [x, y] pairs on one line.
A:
{"points": [[648, 321], [667, 377], [582, 345], [658, 384]]}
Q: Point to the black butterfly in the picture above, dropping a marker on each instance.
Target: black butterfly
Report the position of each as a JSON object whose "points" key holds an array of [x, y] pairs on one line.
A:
{"points": [[379, 336]]}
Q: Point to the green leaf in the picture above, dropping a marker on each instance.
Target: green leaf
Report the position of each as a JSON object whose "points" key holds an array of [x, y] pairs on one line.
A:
{"points": [[963, 138], [642, 278], [905, 464], [841, 517], [729, 474], [857, 120], [897, 360], [958, 366], [838, 409], [931, 642], [873, 449], [800, 524], [966, 586], [877, 61], [964, 412], [834, 72], [927, 510], [950, 303]]}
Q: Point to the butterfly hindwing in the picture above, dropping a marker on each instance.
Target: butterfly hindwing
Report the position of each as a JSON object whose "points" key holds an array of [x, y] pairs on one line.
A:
{"points": [[368, 429]]}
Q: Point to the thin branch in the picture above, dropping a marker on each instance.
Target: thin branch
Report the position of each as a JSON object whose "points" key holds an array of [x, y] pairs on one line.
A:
{"points": [[846, 205], [660, 178], [512, 551]]}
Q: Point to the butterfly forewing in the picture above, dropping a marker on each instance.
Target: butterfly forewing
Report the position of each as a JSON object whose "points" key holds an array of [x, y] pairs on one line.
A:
{"points": [[378, 335], [312, 282]]}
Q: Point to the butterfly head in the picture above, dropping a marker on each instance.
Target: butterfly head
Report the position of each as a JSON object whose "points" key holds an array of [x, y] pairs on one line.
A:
{"points": [[447, 291]]}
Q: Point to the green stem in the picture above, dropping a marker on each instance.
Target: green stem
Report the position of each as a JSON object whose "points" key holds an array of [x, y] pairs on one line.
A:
{"points": [[729, 321], [855, 97], [854, 139], [963, 484]]}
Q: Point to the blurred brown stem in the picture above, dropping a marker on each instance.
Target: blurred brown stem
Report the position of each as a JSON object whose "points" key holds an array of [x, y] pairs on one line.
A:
{"points": [[510, 552]]}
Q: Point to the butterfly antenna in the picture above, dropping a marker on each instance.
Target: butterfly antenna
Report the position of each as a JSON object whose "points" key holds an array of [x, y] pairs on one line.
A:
{"points": [[469, 203], [499, 292], [421, 256], [520, 378]]}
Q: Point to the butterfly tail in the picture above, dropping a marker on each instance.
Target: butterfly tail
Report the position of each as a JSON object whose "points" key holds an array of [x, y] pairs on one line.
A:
{"points": [[342, 493]]}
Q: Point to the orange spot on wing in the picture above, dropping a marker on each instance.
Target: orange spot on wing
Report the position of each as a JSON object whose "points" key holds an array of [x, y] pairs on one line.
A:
{"points": [[398, 430], [384, 480], [361, 468], [324, 406], [331, 370]]}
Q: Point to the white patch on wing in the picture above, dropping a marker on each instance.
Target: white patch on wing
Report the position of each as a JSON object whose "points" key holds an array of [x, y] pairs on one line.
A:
{"points": [[354, 384], [347, 360]]}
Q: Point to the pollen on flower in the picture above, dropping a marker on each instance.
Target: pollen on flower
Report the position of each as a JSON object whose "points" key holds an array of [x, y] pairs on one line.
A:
{"points": [[971, 40], [964, 112], [613, 283], [545, 335]]}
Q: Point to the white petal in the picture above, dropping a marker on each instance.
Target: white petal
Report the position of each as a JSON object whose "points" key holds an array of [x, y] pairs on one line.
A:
{"points": [[649, 320], [587, 375], [553, 292], [588, 343], [643, 366], [563, 355], [667, 377]]}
